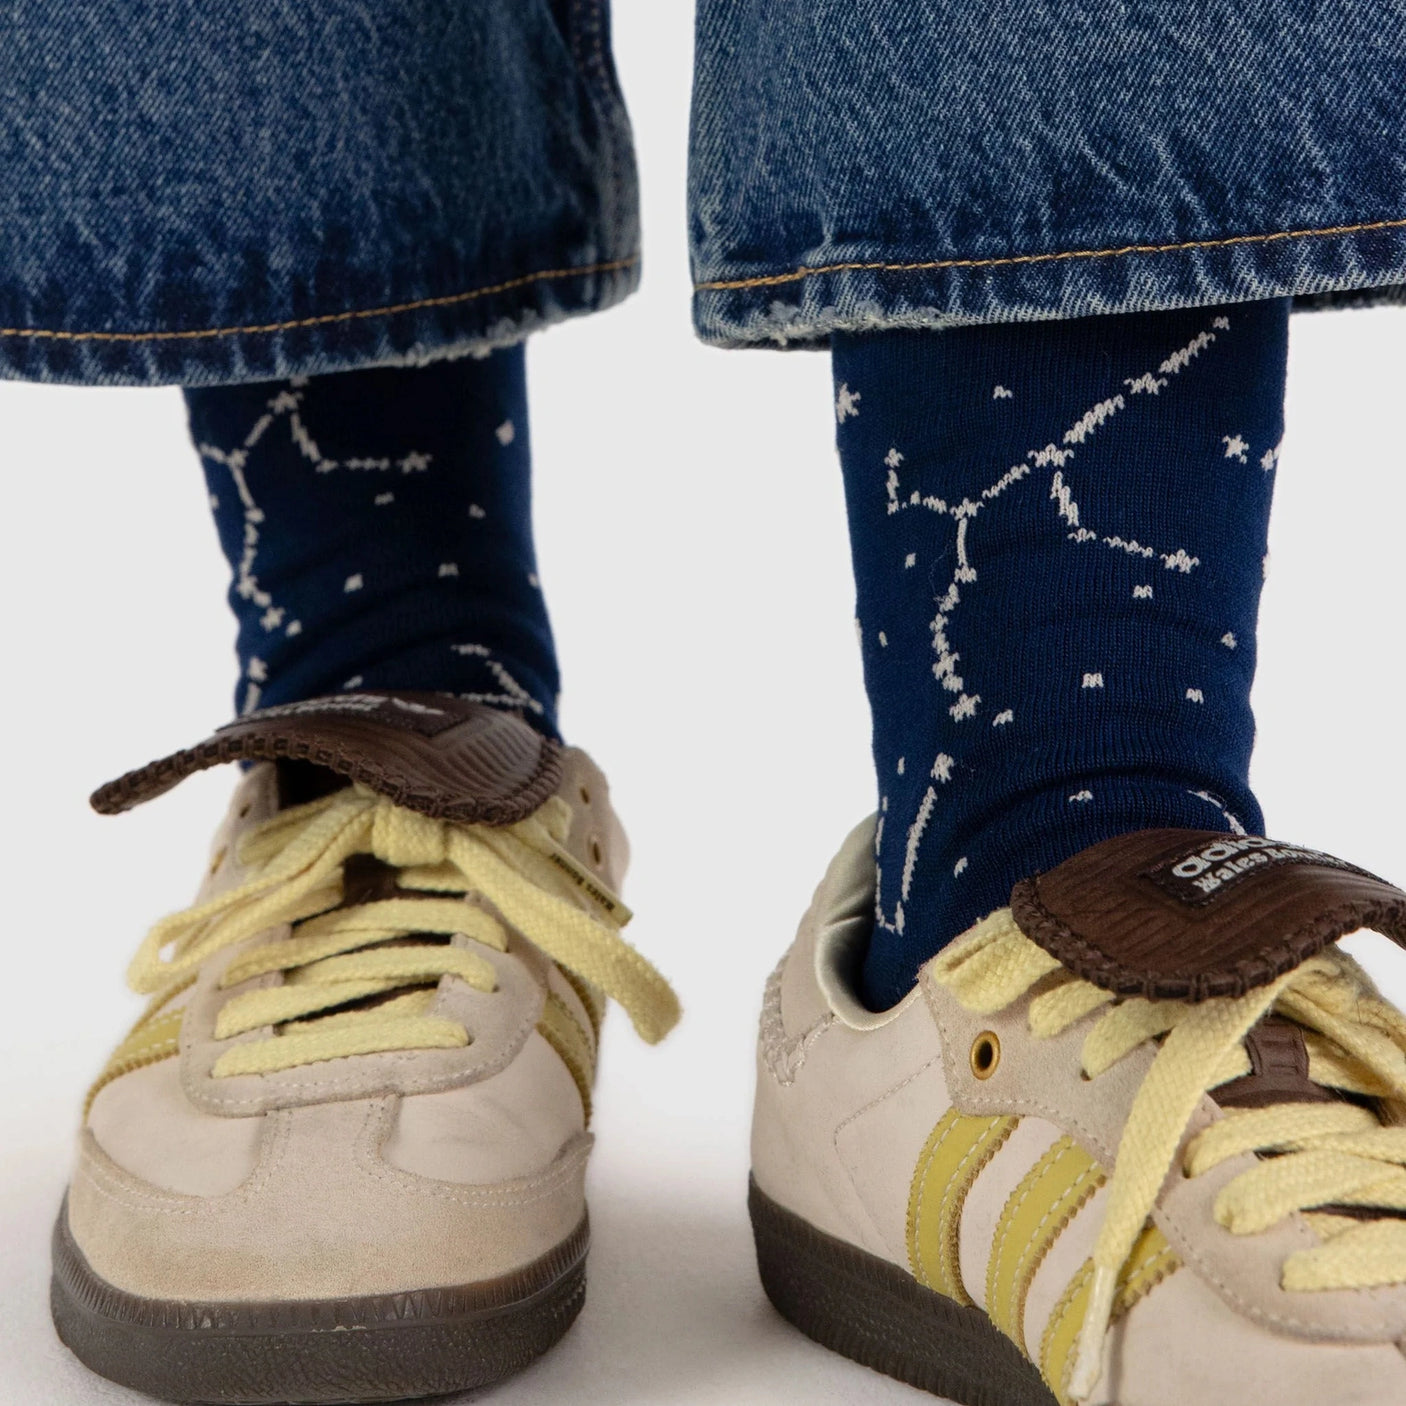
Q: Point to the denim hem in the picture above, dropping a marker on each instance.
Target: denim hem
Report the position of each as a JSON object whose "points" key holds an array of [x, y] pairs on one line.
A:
{"points": [[406, 332], [858, 290]]}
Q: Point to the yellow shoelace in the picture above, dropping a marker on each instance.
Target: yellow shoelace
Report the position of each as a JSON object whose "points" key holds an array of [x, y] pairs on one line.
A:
{"points": [[337, 956], [1320, 1155]]}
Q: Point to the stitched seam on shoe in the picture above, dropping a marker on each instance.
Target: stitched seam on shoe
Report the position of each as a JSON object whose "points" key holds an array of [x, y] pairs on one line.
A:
{"points": [[1086, 1187], [813, 1034], [582, 989], [784, 1054], [915, 1226], [569, 1014], [114, 1183], [135, 787], [950, 1253], [1081, 1277], [522, 1191], [1192, 1255], [1146, 1276], [931, 265], [1060, 1117], [1087, 960], [110, 1183], [588, 1031], [875, 1102], [1065, 1209], [983, 1149], [325, 319], [155, 1054], [582, 1071], [1189, 1253], [1048, 1158], [540, 1188]]}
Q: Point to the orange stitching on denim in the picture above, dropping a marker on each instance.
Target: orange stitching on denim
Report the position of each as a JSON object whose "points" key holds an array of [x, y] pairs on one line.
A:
{"points": [[771, 280], [446, 300]]}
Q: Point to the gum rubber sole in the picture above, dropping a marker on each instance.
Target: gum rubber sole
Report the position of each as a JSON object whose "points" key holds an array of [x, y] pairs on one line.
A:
{"points": [[876, 1313], [385, 1347]]}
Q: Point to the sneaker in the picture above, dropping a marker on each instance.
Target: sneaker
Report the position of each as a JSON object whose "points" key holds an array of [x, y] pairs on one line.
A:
{"points": [[1138, 1138], [341, 1155]]}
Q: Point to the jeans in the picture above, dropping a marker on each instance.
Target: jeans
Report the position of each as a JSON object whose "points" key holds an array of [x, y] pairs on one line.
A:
{"points": [[204, 194], [867, 164]]}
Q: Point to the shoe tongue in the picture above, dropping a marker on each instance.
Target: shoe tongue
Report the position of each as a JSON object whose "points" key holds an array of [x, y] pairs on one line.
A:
{"points": [[430, 752], [1191, 914]]}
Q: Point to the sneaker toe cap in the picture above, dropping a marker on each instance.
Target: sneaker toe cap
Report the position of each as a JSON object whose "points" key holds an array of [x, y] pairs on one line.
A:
{"points": [[322, 1215], [1183, 1343]]}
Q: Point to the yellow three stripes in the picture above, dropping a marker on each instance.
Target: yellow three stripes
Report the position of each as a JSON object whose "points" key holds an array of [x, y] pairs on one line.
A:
{"points": [[1035, 1214], [1151, 1261], [951, 1161], [156, 1036], [1037, 1211], [576, 1048]]}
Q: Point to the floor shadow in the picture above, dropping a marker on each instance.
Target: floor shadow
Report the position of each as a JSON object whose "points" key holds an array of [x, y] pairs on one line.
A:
{"points": [[674, 1313]]}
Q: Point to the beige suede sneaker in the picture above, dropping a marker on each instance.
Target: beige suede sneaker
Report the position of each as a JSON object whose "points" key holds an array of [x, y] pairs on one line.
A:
{"points": [[341, 1156], [1137, 1139]]}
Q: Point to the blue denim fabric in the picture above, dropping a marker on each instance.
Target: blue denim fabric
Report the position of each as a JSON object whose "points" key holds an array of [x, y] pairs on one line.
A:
{"points": [[865, 164], [205, 192]]}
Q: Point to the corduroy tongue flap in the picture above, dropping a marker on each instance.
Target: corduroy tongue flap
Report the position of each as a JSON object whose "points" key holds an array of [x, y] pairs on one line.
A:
{"points": [[1191, 914], [430, 752]]}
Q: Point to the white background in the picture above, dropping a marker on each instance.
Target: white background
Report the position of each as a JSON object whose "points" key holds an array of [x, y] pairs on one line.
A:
{"points": [[692, 547]]}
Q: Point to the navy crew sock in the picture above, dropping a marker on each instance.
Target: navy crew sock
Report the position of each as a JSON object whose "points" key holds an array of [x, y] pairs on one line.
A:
{"points": [[378, 524], [1058, 533]]}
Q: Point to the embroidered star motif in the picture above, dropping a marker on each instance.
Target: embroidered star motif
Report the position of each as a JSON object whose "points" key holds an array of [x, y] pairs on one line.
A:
{"points": [[846, 404]]}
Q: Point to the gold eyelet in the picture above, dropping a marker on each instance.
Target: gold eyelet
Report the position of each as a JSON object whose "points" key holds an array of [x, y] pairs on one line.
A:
{"points": [[986, 1054]]}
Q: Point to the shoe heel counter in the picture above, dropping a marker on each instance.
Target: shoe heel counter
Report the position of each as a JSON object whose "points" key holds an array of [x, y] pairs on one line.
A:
{"points": [[793, 1154], [796, 1013]]}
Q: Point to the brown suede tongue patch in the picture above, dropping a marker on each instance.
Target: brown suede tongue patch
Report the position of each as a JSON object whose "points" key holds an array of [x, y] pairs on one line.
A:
{"points": [[430, 752], [1191, 914], [1279, 1070]]}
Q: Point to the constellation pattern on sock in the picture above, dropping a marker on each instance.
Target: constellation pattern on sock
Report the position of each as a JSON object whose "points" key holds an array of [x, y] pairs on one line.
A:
{"points": [[289, 402], [286, 407], [1219, 804], [246, 582], [1056, 457], [512, 695]]}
